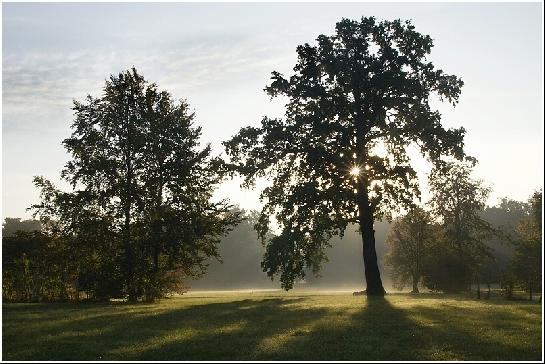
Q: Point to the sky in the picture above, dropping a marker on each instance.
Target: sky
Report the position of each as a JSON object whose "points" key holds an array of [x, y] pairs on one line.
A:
{"points": [[219, 57]]}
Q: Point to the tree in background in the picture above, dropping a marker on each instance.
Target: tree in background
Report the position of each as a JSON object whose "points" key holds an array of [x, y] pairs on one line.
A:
{"points": [[503, 218], [365, 88], [36, 267], [527, 258], [11, 225], [457, 201], [141, 202], [32, 263], [409, 240]]}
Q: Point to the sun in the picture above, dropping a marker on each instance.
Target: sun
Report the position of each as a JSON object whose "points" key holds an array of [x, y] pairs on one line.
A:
{"points": [[355, 171]]}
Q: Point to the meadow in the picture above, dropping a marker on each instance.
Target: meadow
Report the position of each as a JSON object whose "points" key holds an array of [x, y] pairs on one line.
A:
{"points": [[276, 326]]}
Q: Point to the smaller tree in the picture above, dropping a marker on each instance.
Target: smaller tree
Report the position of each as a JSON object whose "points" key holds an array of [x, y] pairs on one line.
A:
{"points": [[527, 258], [410, 238], [457, 202], [141, 210]]}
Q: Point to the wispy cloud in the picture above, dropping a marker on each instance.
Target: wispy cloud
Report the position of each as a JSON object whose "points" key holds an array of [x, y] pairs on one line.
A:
{"points": [[42, 81]]}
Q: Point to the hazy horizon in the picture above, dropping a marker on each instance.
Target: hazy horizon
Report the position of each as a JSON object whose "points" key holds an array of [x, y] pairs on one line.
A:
{"points": [[219, 57]]}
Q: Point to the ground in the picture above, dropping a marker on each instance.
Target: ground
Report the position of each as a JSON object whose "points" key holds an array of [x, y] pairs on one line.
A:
{"points": [[276, 326]]}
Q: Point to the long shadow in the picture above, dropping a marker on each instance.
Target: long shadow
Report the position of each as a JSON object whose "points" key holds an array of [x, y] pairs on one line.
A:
{"points": [[281, 330], [135, 332], [360, 328], [382, 331], [492, 332], [375, 330]]}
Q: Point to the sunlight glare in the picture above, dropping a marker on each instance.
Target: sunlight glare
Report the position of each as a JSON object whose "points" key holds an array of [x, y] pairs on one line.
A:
{"points": [[355, 171]]}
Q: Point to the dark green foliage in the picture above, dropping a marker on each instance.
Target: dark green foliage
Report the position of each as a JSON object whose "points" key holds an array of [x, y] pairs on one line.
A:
{"points": [[366, 87], [37, 267], [527, 260], [458, 201], [410, 239], [508, 242], [140, 212], [447, 271]]}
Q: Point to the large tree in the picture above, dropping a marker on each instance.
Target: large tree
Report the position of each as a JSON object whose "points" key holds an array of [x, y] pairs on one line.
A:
{"points": [[142, 186], [364, 89]]}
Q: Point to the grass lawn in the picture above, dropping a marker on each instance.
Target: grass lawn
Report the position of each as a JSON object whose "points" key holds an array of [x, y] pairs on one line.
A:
{"points": [[276, 326]]}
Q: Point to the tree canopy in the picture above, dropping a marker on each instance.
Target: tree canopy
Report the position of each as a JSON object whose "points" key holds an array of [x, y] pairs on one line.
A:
{"points": [[363, 90], [410, 240], [142, 186], [458, 201]]}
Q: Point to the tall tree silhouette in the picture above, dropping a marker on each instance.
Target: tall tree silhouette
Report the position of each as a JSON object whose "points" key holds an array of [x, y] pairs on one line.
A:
{"points": [[366, 88], [137, 166]]}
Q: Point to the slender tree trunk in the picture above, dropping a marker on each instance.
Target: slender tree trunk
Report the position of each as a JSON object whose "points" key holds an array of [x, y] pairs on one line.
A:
{"points": [[488, 292], [129, 258], [157, 228], [415, 284], [530, 291]]}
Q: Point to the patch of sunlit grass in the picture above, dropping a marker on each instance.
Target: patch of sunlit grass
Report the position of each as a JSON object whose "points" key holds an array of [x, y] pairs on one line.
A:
{"points": [[276, 326]]}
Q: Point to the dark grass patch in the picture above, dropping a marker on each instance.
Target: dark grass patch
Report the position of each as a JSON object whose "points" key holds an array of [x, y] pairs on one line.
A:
{"points": [[286, 326]]}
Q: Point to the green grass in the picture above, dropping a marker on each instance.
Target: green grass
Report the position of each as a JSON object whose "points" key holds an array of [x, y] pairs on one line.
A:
{"points": [[276, 326]]}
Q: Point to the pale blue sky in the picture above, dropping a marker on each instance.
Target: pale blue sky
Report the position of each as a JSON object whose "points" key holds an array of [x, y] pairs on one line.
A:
{"points": [[219, 57]]}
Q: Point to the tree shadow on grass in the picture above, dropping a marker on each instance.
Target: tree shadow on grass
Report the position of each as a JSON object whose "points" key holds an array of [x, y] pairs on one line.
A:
{"points": [[490, 332], [381, 330], [305, 328], [134, 332], [372, 329]]}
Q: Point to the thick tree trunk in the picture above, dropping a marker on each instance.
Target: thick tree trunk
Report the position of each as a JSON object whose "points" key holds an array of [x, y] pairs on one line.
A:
{"points": [[365, 213], [372, 273]]}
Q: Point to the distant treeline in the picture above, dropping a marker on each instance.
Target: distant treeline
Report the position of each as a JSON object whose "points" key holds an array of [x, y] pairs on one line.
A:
{"points": [[36, 266], [242, 254]]}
